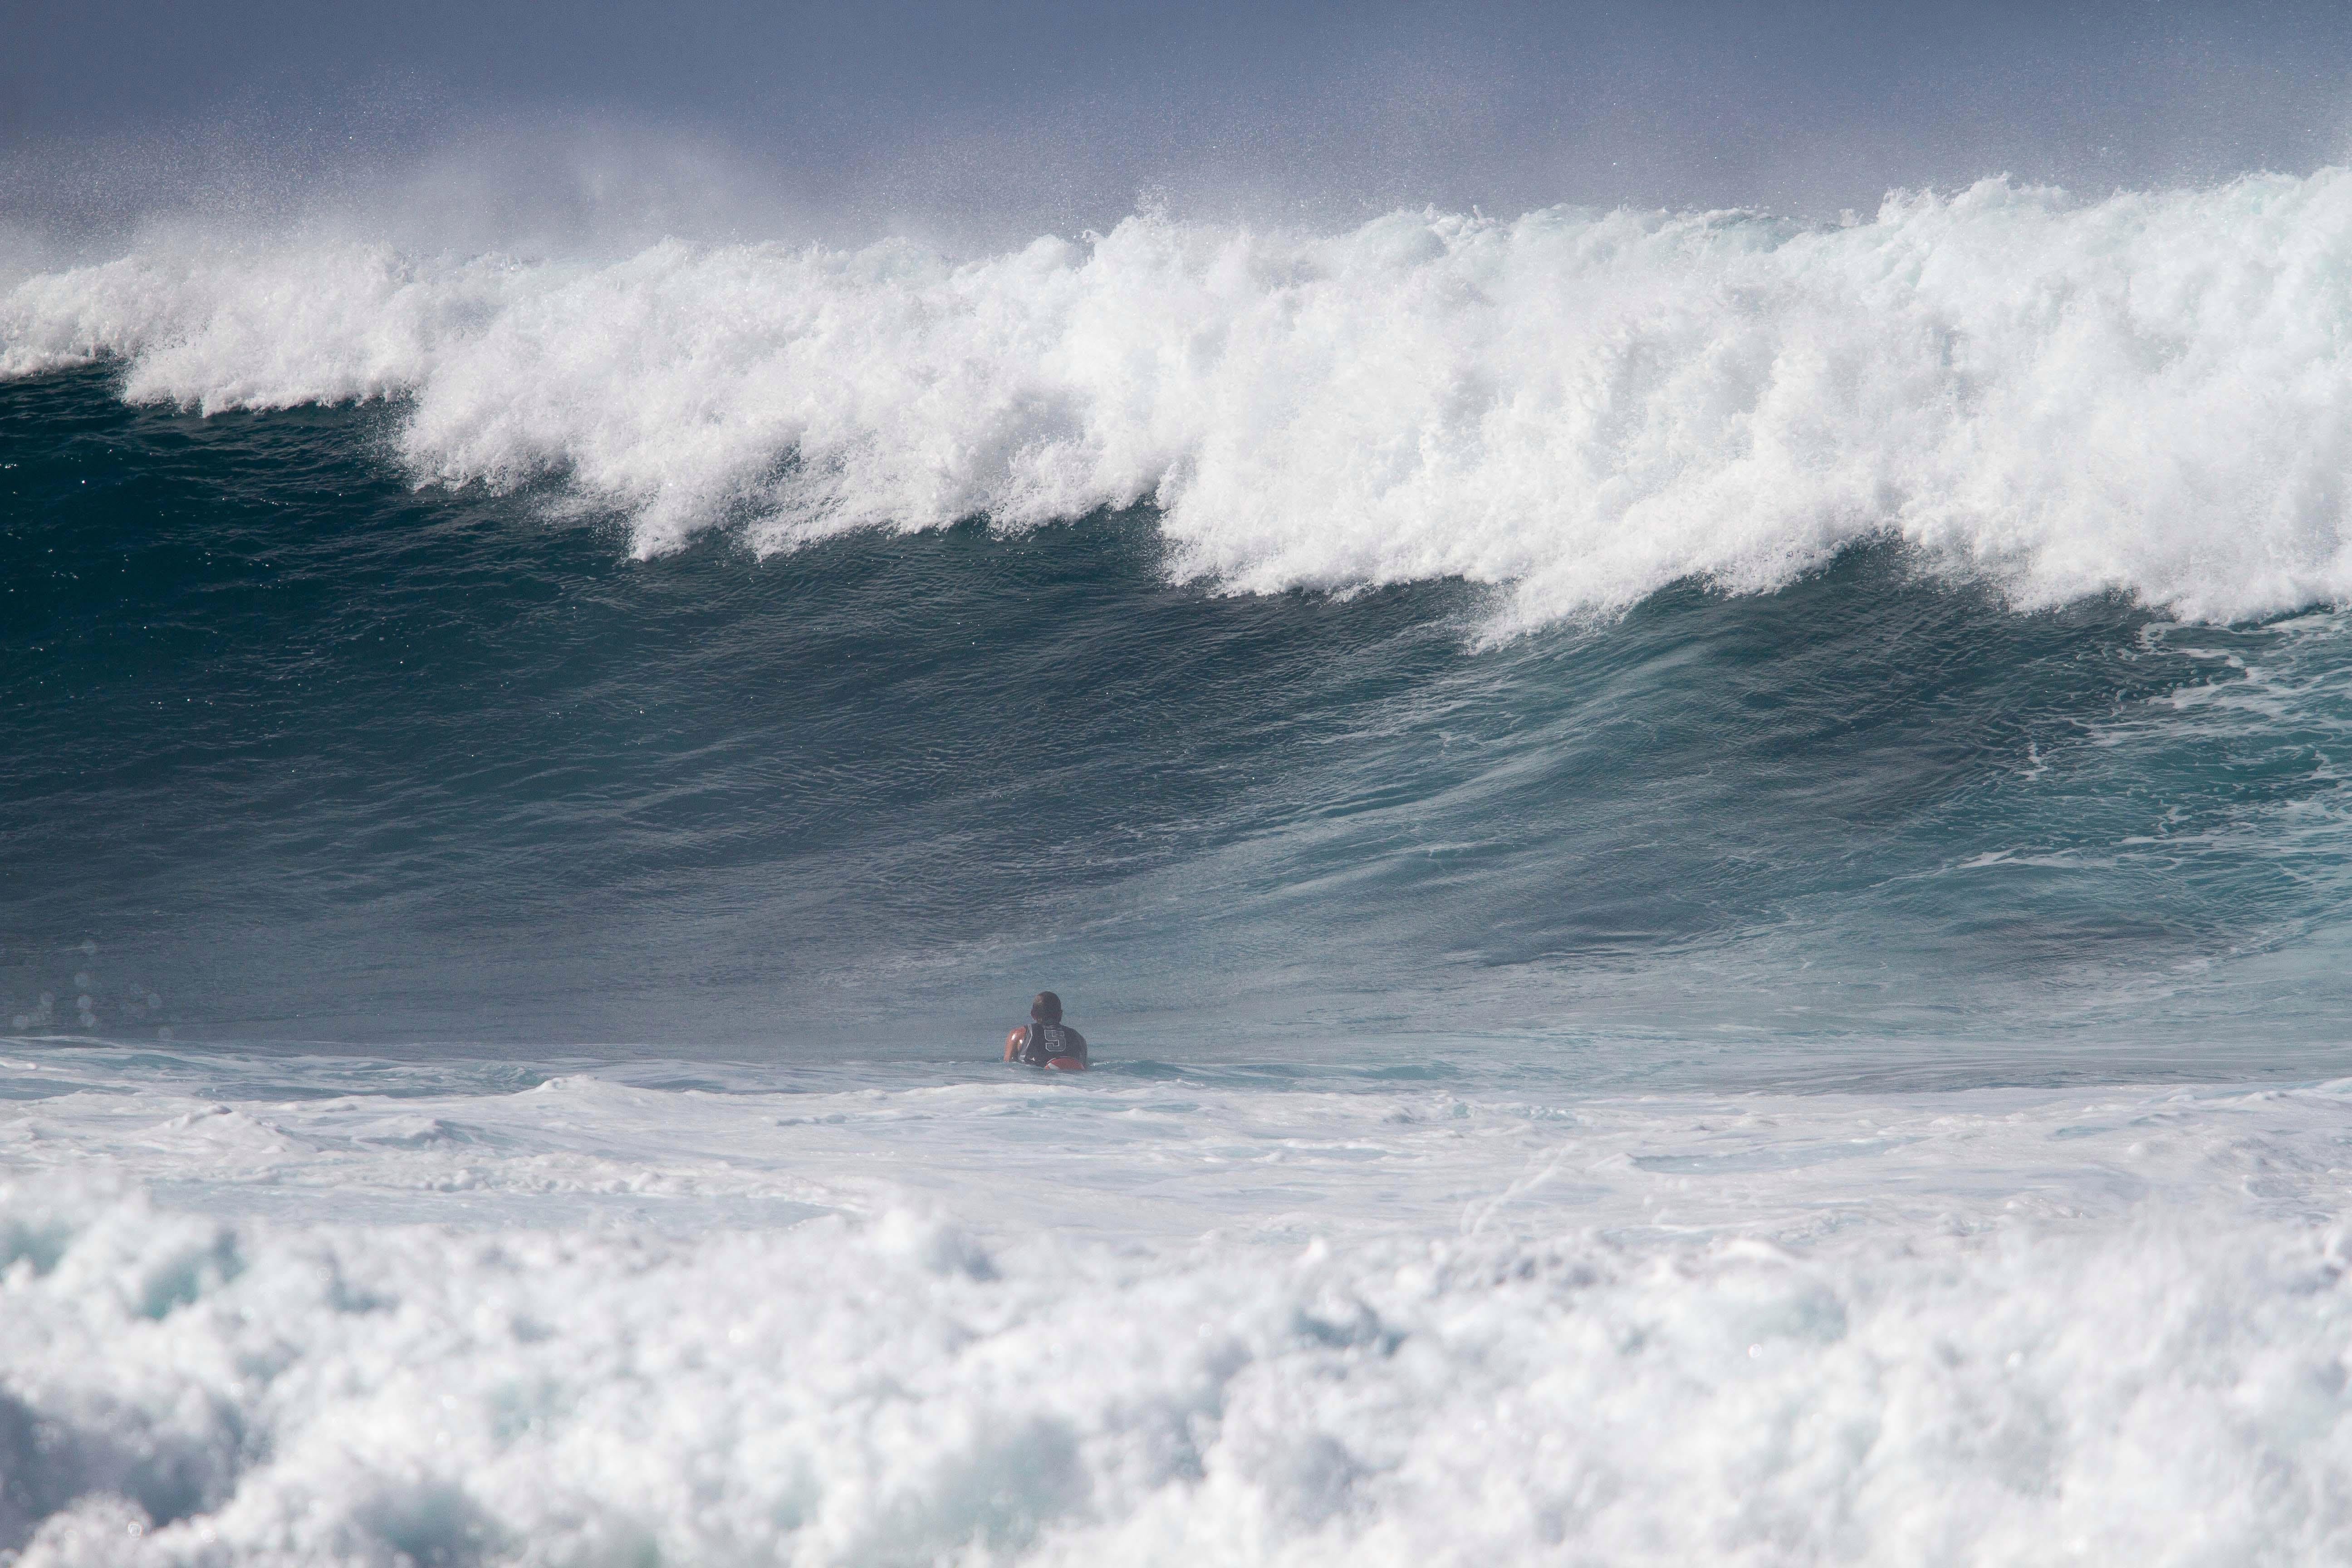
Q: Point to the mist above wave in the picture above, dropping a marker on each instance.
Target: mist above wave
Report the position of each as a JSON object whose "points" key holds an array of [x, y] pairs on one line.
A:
{"points": [[2145, 394]]}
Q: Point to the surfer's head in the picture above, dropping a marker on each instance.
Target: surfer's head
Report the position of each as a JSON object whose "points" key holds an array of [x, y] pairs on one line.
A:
{"points": [[1047, 1008]]}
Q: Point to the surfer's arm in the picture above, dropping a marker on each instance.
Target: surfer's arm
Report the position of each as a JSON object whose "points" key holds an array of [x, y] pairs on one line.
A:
{"points": [[1014, 1041]]}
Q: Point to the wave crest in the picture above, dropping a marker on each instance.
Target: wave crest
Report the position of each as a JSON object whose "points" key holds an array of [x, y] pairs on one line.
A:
{"points": [[2148, 395]]}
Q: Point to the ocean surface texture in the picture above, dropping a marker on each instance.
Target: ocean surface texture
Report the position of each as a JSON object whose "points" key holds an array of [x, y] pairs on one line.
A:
{"points": [[1708, 859]]}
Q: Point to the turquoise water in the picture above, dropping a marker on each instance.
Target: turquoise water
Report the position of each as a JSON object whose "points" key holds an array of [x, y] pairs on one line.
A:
{"points": [[310, 754]]}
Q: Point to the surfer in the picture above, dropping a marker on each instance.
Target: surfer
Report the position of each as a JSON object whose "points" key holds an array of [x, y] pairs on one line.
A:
{"points": [[1045, 1041]]}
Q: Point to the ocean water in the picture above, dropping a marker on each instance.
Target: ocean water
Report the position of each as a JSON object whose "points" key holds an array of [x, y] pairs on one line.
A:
{"points": [[1706, 857]]}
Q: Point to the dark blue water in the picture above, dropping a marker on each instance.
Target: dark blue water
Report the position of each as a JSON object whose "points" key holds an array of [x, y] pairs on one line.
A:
{"points": [[296, 751]]}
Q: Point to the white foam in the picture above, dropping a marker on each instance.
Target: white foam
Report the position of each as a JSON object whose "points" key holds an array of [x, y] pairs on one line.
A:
{"points": [[1173, 1322], [2147, 394]]}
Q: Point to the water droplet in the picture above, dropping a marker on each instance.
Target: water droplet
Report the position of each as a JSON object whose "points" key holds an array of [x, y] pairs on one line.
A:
{"points": [[81, 979], [88, 949]]}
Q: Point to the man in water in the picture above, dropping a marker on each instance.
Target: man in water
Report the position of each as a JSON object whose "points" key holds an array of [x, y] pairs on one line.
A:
{"points": [[1045, 1041]]}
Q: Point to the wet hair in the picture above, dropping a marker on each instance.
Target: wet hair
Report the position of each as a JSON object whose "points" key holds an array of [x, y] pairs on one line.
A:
{"points": [[1047, 1008]]}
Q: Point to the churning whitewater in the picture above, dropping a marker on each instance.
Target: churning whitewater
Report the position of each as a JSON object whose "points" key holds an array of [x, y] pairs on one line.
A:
{"points": [[1174, 1321], [1706, 858], [2144, 395]]}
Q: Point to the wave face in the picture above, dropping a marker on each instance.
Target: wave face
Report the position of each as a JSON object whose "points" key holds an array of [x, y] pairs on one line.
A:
{"points": [[2142, 396], [301, 749]]}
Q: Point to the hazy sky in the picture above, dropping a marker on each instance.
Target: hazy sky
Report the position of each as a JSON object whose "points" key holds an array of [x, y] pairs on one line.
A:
{"points": [[1032, 116]]}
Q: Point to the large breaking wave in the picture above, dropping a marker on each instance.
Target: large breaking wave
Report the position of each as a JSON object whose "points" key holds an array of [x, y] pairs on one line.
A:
{"points": [[2147, 394], [1417, 1214]]}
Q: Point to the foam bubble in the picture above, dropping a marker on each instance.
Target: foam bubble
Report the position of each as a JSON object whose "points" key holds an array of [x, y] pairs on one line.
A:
{"points": [[179, 1390], [2144, 395], [1107, 1325]]}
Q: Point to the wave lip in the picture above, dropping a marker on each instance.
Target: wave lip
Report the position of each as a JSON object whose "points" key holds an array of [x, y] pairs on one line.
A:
{"points": [[2145, 394]]}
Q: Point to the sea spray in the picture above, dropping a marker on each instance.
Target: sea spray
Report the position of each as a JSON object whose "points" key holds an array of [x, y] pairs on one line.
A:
{"points": [[2145, 393]]}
